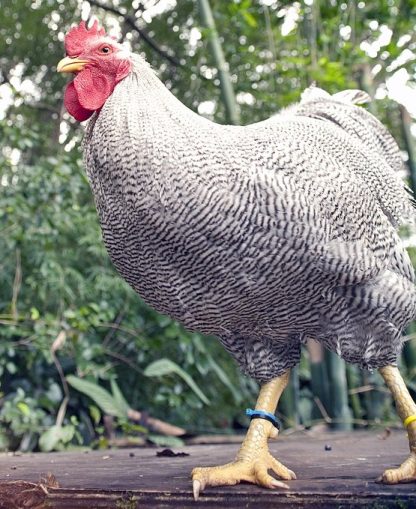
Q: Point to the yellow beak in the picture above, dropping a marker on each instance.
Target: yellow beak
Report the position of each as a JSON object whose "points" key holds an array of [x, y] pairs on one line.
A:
{"points": [[68, 64]]}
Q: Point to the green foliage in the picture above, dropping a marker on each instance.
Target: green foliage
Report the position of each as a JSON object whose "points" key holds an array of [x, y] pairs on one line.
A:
{"points": [[22, 420], [110, 404], [56, 437], [163, 367], [56, 280]]}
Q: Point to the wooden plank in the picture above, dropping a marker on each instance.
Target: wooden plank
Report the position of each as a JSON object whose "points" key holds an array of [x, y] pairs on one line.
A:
{"points": [[341, 477]]}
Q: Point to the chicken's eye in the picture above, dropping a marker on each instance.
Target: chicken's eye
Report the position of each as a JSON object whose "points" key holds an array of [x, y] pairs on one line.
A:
{"points": [[105, 50]]}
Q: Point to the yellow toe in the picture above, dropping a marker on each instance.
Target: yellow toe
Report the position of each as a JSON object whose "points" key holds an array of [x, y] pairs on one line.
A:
{"points": [[405, 473], [255, 472]]}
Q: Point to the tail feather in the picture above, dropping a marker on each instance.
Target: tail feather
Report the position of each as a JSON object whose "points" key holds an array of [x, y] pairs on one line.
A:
{"points": [[373, 138], [352, 97]]}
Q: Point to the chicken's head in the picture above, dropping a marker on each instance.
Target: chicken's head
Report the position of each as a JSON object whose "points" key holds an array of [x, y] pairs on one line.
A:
{"points": [[99, 63]]}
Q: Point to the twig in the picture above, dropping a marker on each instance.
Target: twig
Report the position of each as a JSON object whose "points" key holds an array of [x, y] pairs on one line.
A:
{"points": [[8, 322], [43, 106], [157, 425], [122, 358], [16, 285], [323, 411], [120, 328], [367, 388], [115, 327], [56, 345], [109, 427]]}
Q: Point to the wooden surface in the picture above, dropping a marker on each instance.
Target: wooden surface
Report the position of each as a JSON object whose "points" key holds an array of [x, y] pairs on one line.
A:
{"points": [[342, 477]]}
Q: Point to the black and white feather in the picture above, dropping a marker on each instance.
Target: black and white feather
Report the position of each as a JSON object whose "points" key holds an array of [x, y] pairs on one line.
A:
{"points": [[262, 235]]}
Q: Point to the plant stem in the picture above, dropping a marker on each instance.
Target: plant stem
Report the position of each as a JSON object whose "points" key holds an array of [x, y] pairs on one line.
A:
{"points": [[227, 90]]}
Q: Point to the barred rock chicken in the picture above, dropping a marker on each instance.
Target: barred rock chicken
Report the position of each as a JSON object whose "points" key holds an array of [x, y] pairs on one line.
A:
{"points": [[264, 235]]}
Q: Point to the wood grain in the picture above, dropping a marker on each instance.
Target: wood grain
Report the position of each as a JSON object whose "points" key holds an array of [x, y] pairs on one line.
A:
{"points": [[342, 477]]}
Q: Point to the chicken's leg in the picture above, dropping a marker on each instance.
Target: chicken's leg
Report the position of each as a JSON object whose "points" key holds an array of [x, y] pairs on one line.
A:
{"points": [[406, 408], [253, 459]]}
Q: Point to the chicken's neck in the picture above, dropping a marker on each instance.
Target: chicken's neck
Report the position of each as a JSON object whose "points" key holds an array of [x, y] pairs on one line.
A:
{"points": [[145, 138], [151, 97]]}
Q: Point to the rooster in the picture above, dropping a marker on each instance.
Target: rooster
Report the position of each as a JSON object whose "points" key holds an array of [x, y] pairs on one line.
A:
{"points": [[263, 235]]}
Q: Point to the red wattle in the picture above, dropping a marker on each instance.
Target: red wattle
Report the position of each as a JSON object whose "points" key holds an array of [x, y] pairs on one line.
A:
{"points": [[91, 88], [73, 105]]}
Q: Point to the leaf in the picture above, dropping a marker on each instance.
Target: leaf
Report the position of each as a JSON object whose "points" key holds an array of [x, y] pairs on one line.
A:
{"points": [[250, 19], [67, 433], [100, 396], [165, 441], [24, 408], [49, 439], [95, 414], [118, 396], [165, 366], [54, 435], [34, 314], [11, 367], [222, 375]]}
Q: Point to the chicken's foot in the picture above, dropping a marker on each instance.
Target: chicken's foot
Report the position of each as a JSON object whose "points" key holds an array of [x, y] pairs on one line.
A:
{"points": [[406, 408], [253, 459]]}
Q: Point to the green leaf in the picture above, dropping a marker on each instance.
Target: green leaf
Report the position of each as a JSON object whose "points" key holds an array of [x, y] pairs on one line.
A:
{"points": [[34, 314], [118, 396], [165, 441], [67, 433], [100, 396], [24, 408], [95, 414], [165, 366], [49, 439], [11, 367], [54, 435], [222, 375], [250, 19]]}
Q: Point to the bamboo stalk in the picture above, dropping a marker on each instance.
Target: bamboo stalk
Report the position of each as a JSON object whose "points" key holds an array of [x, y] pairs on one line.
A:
{"points": [[272, 48], [288, 402], [367, 84], [338, 391], [375, 400], [319, 377], [227, 91], [409, 351], [410, 145], [353, 379], [313, 34]]}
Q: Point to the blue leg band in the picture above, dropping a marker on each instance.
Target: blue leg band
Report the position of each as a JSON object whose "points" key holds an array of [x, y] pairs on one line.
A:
{"points": [[261, 414]]}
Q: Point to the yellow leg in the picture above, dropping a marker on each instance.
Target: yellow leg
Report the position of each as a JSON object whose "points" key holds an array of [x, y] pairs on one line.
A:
{"points": [[253, 459], [406, 408]]}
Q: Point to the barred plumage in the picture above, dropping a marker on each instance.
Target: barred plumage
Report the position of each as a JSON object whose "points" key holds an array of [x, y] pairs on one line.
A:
{"points": [[262, 235]]}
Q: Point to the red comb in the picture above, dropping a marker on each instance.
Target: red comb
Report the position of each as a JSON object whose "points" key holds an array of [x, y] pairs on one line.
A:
{"points": [[76, 37]]}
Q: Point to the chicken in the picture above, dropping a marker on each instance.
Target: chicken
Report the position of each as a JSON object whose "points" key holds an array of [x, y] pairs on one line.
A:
{"points": [[263, 235]]}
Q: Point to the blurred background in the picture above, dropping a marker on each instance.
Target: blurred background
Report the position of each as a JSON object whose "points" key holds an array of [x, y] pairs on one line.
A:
{"points": [[83, 361]]}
